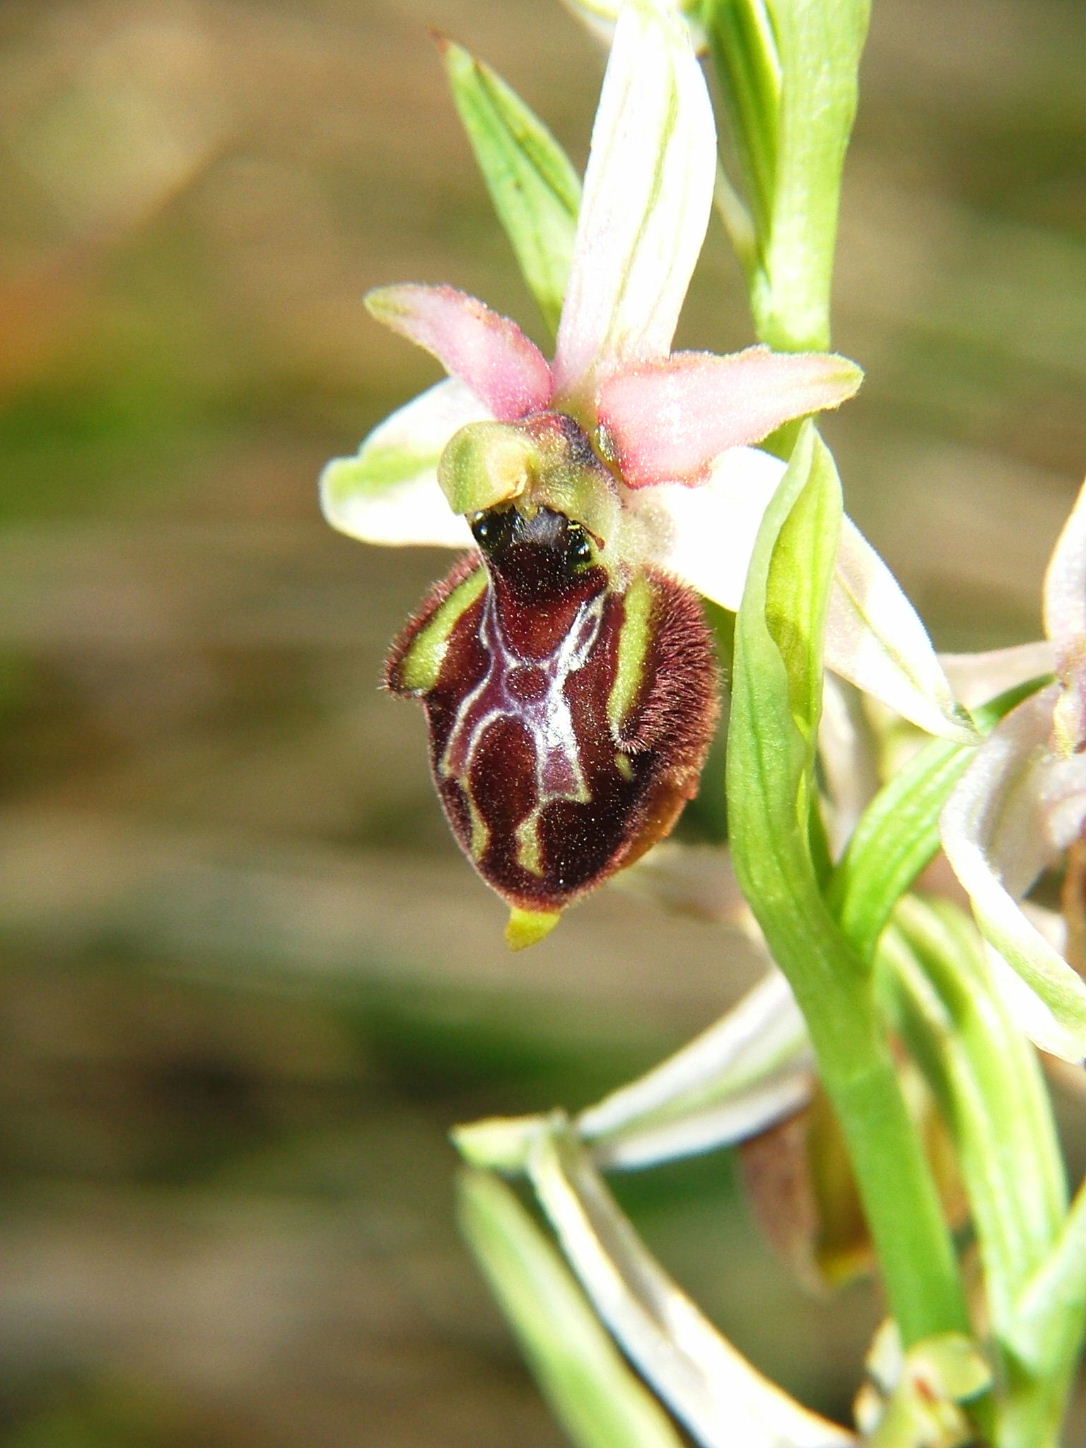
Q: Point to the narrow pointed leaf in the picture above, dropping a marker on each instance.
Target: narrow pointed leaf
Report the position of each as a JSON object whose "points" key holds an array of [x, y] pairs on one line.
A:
{"points": [[647, 198], [668, 421], [989, 1086], [898, 834], [487, 352], [1048, 1334], [744, 51], [532, 183], [819, 48], [770, 771], [709, 1386], [388, 492], [592, 1392]]}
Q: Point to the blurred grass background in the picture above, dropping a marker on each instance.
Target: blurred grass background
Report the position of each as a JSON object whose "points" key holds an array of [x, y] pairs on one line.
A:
{"points": [[247, 983]]}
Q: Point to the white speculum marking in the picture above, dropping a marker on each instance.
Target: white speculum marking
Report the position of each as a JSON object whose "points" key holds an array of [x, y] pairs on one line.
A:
{"points": [[531, 691]]}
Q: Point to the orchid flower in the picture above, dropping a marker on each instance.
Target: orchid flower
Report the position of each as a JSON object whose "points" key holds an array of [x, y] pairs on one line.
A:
{"points": [[625, 474], [1022, 802]]}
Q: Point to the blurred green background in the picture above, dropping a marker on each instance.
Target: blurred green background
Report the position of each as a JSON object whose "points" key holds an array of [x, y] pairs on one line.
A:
{"points": [[248, 983]]}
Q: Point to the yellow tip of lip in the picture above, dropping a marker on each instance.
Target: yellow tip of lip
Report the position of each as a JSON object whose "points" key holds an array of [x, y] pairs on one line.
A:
{"points": [[527, 926]]}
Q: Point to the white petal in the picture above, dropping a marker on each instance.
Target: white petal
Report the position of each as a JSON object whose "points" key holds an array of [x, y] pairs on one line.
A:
{"points": [[705, 535], [1014, 810], [976, 678], [599, 16], [647, 198], [742, 1075], [709, 1386], [762, 1036], [875, 639], [1065, 582], [388, 492]]}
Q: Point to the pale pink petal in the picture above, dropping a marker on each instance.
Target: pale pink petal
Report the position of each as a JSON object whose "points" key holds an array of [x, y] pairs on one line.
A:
{"points": [[388, 491], [488, 352], [666, 421], [647, 198]]}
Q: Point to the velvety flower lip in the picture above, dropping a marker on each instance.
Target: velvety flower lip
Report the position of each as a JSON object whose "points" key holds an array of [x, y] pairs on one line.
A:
{"points": [[673, 428], [1022, 802]]}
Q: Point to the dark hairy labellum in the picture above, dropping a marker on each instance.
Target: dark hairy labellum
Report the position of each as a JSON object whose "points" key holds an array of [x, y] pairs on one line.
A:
{"points": [[569, 719]]}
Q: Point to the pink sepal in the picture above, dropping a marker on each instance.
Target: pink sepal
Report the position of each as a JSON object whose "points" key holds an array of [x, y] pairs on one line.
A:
{"points": [[488, 352], [665, 422]]}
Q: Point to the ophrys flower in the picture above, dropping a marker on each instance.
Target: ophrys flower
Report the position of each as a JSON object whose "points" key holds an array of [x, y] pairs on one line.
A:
{"points": [[566, 671]]}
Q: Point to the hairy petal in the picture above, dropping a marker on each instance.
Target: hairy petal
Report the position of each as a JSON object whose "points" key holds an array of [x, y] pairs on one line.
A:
{"points": [[488, 352], [647, 198], [1014, 810], [666, 421], [388, 492]]}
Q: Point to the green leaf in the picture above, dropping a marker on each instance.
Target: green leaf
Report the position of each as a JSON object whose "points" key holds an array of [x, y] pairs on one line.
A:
{"points": [[986, 1078], [776, 701], [1048, 1335], [744, 52], [535, 190], [819, 43], [898, 834], [788, 70], [598, 1400]]}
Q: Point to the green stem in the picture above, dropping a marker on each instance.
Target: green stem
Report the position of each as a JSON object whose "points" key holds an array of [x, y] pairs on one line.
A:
{"points": [[858, 1071], [771, 742], [989, 1086]]}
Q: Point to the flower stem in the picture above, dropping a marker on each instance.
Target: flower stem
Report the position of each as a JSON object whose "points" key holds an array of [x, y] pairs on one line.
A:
{"points": [[771, 755]]}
